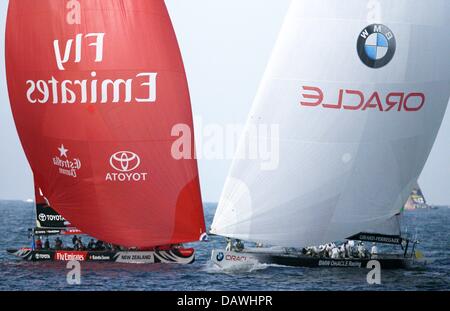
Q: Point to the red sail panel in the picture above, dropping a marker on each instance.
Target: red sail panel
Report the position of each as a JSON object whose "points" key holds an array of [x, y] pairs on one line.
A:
{"points": [[99, 94]]}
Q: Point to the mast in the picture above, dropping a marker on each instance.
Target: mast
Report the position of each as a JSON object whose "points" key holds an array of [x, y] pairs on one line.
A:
{"points": [[100, 100], [359, 96]]}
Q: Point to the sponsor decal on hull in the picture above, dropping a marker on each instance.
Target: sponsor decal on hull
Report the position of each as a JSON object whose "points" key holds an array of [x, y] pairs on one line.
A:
{"points": [[42, 256], [339, 263], [100, 257], [179, 256], [220, 256], [70, 255], [236, 258], [135, 257], [227, 259]]}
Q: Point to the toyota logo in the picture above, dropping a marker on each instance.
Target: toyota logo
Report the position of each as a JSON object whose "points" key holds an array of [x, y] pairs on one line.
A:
{"points": [[42, 217], [125, 161]]}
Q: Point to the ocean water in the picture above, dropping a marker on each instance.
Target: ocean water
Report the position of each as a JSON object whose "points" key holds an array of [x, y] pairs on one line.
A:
{"points": [[430, 226]]}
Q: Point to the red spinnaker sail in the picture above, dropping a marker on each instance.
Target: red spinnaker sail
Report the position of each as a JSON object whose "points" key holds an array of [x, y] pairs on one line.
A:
{"points": [[99, 94]]}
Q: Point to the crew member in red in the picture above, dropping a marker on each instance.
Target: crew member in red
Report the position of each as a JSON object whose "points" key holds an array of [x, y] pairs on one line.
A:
{"points": [[38, 243]]}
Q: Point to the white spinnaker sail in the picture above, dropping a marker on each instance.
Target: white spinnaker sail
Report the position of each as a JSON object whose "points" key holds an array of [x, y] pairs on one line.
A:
{"points": [[340, 171]]}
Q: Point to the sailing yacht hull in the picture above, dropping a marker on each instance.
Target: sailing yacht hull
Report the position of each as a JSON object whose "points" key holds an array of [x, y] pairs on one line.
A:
{"points": [[173, 256], [227, 260]]}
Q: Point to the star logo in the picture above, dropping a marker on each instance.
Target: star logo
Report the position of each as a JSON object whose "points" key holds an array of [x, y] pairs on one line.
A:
{"points": [[63, 151], [66, 166]]}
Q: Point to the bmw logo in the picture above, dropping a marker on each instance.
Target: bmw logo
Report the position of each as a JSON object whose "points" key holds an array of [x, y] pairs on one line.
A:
{"points": [[376, 45], [219, 257]]}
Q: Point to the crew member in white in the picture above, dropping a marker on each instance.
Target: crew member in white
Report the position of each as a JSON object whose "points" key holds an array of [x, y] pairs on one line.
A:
{"points": [[374, 251], [229, 245]]}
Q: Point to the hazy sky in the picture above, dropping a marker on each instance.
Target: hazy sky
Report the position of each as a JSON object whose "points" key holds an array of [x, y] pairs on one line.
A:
{"points": [[226, 45]]}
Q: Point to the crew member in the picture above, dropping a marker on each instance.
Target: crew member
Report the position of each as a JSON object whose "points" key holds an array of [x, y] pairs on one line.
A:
{"points": [[335, 253], [74, 240], [321, 251], [38, 243], [348, 251], [229, 245], [46, 244], [58, 243], [33, 243], [374, 250], [329, 250], [91, 245], [79, 245], [361, 250], [239, 245], [343, 250], [350, 245], [99, 245]]}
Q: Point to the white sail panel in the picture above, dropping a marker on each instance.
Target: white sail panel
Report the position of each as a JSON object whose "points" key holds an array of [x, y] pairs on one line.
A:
{"points": [[340, 170], [392, 226]]}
